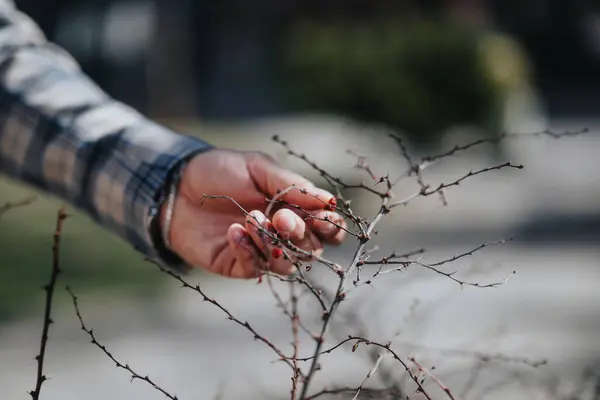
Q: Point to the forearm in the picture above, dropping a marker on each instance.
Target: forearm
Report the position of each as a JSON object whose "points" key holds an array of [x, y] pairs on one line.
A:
{"points": [[64, 135]]}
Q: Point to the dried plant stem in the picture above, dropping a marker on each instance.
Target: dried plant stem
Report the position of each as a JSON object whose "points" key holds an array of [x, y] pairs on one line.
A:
{"points": [[295, 341], [20, 203], [340, 295], [432, 376], [126, 367], [230, 316], [369, 375], [49, 289]]}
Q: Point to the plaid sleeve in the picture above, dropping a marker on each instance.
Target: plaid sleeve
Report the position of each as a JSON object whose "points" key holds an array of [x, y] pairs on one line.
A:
{"points": [[62, 134]]}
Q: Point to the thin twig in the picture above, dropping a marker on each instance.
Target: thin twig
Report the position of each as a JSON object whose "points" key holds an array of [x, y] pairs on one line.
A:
{"points": [[14, 204], [369, 375], [295, 341], [497, 139], [428, 192], [49, 289], [483, 356], [324, 173], [340, 295], [283, 307], [378, 394], [126, 367], [230, 316], [421, 368], [404, 264]]}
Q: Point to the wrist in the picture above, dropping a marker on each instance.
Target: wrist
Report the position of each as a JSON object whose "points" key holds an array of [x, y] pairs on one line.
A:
{"points": [[161, 226], [167, 208]]}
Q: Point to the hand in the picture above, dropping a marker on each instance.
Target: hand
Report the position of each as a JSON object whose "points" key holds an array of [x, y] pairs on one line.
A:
{"points": [[215, 234]]}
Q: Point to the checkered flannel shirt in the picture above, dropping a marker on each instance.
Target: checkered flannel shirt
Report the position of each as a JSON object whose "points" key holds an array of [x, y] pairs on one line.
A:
{"points": [[62, 134]]}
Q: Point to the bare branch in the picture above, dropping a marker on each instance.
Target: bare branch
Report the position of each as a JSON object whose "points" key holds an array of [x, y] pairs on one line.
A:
{"points": [[230, 316], [20, 203], [49, 288], [340, 295], [362, 163], [295, 342], [499, 138], [126, 367], [368, 393], [332, 179], [371, 372], [432, 376], [428, 192]]}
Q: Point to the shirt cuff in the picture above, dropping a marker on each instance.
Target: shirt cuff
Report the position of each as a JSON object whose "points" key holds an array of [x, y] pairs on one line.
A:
{"points": [[147, 190]]}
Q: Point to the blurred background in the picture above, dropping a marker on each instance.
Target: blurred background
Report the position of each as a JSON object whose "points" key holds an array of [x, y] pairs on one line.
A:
{"points": [[330, 77]]}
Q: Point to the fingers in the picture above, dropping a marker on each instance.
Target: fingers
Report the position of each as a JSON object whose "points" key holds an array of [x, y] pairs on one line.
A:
{"points": [[272, 178], [256, 224], [328, 226], [247, 258], [288, 226], [254, 250]]}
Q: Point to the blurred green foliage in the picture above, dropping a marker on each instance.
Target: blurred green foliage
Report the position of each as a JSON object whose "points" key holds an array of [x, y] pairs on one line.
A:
{"points": [[91, 258], [420, 76]]}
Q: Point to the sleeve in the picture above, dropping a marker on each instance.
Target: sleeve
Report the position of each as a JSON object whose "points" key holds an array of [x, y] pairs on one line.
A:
{"points": [[61, 133]]}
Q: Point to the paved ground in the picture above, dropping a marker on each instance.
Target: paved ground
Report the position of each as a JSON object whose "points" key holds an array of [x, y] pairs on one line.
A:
{"points": [[550, 309]]}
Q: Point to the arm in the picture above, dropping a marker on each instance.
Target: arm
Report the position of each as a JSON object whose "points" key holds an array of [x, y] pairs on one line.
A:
{"points": [[60, 133]]}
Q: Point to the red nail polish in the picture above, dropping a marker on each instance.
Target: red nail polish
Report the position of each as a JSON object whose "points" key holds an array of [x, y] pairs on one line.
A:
{"points": [[331, 204]]}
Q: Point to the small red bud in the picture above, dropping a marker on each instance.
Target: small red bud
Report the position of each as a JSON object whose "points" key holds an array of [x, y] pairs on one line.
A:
{"points": [[276, 252], [331, 204], [260, 279]]}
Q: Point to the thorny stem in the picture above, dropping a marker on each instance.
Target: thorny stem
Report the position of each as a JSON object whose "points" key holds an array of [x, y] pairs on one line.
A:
{"points": [[369, 393], [390, 260], [340, 295], [295, 341], [290, 314], [324, 173], [428, 192], [432, 376], [230, 316], [459, 148], [49, 288], [371, 372], [126, 367]]}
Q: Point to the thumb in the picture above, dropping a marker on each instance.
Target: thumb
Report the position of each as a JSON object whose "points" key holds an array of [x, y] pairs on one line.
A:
{"points": [[271, 178]]}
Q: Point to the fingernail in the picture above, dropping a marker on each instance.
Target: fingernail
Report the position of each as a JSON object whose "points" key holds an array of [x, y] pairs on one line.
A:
{"points": [[289, 224], [238, 235], [332, 226], [331, 204], [258, 217]]}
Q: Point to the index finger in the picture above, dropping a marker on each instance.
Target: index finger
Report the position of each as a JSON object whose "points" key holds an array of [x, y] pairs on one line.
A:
{"points": [[307, 196], [276, 181]]}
